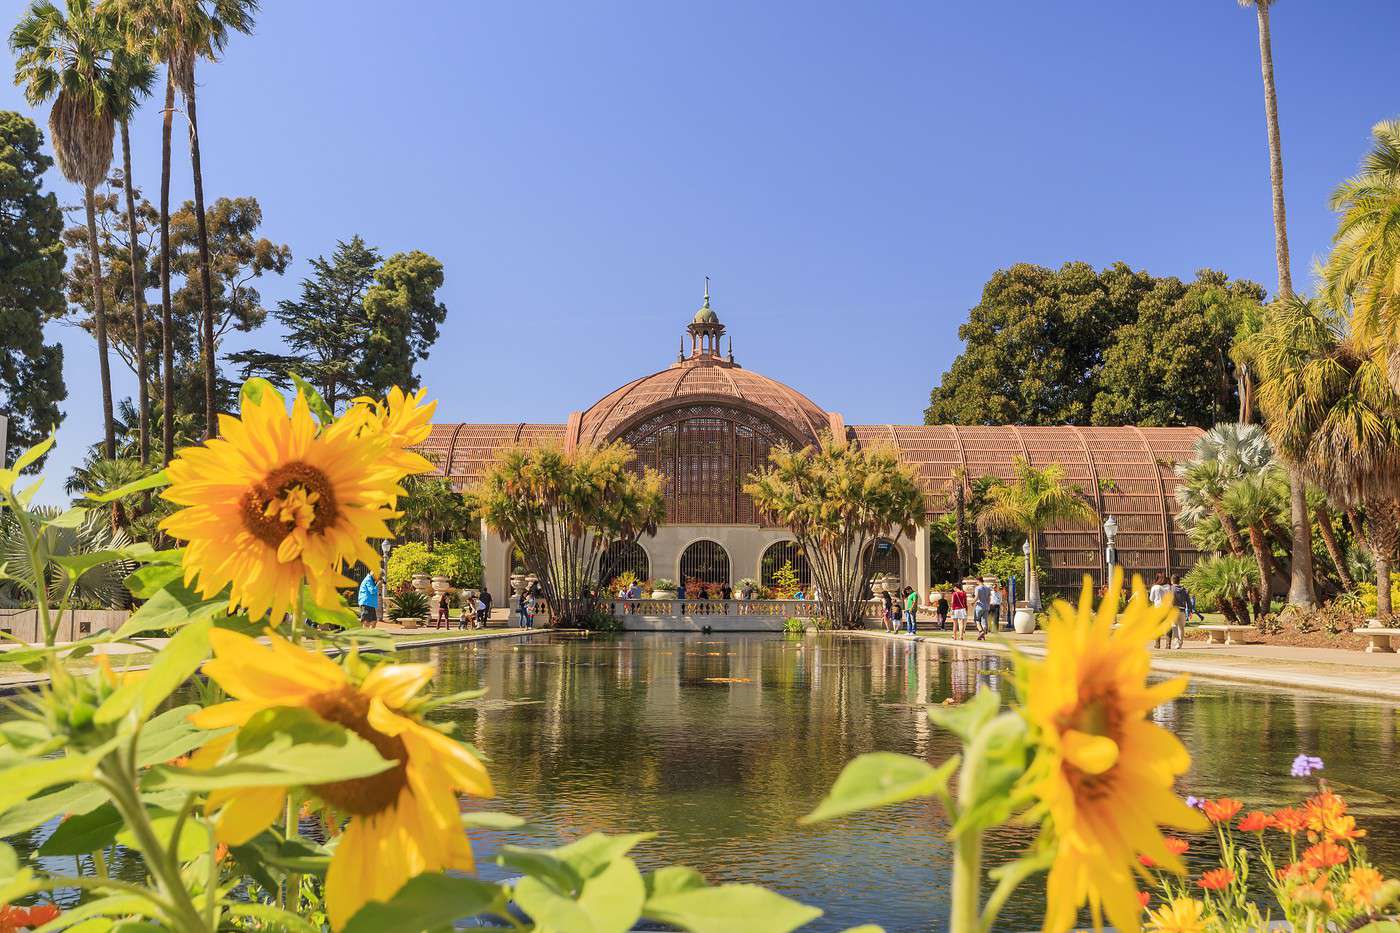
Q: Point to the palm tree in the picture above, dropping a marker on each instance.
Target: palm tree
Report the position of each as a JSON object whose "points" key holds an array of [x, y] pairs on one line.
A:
{"points": [[1361, 272], [1200, 495], [1253, 500], [1327, 400], [1035, 500], [1228, 581], [183, 32], [134, 77], [432, 509], [1300, 586], [65, 54], [99, 475]]}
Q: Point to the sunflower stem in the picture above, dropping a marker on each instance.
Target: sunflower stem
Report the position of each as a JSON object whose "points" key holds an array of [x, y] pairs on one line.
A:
{"points": [[967, 847]]}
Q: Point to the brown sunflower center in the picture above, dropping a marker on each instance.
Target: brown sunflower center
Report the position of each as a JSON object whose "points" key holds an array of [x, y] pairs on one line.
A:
{"points": [[368, 795], [1099, 712], [293, 496]]}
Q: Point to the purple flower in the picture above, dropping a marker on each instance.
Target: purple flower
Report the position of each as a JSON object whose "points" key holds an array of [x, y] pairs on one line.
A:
{"points": [[1305, 765], [1194, 802]]}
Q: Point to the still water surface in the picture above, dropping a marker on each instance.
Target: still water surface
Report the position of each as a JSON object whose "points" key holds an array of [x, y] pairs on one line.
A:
{"points": [[720, 743]]}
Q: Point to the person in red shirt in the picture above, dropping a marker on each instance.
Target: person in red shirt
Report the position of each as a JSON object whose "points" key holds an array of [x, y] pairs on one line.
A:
{"points": [[959, 613]]}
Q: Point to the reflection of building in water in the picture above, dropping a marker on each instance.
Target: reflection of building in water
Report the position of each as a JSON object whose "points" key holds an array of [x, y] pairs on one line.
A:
{"points": [[705, 422]]}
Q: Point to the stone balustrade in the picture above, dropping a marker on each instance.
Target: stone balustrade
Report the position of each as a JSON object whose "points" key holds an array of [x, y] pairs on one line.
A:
{"points": [[720, 615]]}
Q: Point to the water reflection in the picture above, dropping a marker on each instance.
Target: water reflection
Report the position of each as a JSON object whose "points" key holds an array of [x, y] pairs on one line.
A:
{"points": [[720, 742]]}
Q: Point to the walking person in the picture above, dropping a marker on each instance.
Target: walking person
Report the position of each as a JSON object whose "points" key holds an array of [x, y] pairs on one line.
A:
{"points": [[369, 601], [527, 609], [888, 602], [994, 612], [1181, 602], [959, 613], [982, 598], [483, 609], [940, 608], [443, 608], [911, 611], [1155, 596]]}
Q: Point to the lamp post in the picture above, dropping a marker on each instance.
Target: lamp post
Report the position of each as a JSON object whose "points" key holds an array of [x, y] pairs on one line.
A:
{"points": [[384, 548], [1110, 553], [1032, 582]]}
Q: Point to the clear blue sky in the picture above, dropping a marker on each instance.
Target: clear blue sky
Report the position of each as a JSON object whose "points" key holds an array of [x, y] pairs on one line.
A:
{"points": [[848, 174]]}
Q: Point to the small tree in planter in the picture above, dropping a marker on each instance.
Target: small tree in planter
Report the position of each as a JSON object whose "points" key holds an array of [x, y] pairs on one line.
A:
{"points": [[837, 500], [562, 511]]}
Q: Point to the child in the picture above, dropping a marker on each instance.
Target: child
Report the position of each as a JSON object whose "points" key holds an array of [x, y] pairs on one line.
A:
{"points": [[468, 618]]}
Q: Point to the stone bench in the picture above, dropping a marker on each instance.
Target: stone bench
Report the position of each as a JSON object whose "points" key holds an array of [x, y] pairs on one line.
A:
{"points": [[1223, 634], [1379, 638]]}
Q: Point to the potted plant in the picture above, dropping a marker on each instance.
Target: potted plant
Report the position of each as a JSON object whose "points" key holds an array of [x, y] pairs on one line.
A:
{"points": [[662, 588], [410, 607]]}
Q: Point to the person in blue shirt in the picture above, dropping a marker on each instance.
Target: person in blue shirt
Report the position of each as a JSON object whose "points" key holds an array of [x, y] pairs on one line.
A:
{"points": [[369, 600]]}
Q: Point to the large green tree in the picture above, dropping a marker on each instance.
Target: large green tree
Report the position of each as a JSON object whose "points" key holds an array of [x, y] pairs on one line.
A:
{"points": [[1079, 346], [31, 285], [359, 325]]}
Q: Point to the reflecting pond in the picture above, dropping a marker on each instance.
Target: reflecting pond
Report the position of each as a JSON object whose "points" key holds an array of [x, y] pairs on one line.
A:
{"points": [[720, 742]]}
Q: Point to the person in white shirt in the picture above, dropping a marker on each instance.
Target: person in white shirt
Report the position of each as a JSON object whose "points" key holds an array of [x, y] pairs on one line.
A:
{"points": [[1156, 596]]}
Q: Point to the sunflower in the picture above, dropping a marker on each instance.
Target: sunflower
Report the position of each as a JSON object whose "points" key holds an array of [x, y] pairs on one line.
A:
{"points": [[275, 501], [403, 821], [1103, 771], [403, 420], [1182, 915]]}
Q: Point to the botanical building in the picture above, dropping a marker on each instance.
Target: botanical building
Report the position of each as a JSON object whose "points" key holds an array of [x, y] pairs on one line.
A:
{"points": [[705, 422]]}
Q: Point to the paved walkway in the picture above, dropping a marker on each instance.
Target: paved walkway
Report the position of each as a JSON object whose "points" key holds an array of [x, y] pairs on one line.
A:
{"points": [[1328, 670]]}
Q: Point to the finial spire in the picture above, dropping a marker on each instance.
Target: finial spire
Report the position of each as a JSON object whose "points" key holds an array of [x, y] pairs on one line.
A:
{"points": [[707, 291], [680, 356], [731, 348]]}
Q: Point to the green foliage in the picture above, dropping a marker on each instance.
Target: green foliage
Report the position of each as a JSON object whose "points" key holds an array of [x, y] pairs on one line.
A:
{"points": [[409, 603], [795, 626], [1079, 346], [432, 509], [31, 280], [1004, 562], [346, 328], [405, 560], [785, 581], [459, 561]]}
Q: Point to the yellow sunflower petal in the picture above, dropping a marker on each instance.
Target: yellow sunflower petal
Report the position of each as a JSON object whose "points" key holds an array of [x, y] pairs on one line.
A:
{"points": [[1092, 754], [223, 715], [396, 684], [248, 812]]}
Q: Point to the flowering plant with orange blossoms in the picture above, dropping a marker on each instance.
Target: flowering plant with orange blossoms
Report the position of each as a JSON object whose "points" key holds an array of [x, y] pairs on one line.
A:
{"points": [[208, 796], [1310, 856]]}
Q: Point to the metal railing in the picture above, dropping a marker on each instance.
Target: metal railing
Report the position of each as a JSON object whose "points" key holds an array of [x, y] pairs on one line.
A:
{"points": [[681, 607]]}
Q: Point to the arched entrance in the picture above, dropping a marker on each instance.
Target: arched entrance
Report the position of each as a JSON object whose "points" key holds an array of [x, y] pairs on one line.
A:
{"points": [[780, 553], [622, 557], [706, 561], [882, 557]]}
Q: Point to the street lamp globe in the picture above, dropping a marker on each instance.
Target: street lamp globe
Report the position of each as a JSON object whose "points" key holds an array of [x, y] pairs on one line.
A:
{"points": [[1110, 528], [1026, 548]]}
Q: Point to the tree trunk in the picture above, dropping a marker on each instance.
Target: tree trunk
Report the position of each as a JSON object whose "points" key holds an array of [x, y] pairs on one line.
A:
{"points": [[1300, 577], [1242, 610], [1232, 531], [99, 318], [1329, 539], [138, 305], [1266, 66], [206, 317], [1384, 539], [1265, 560], [962, 527], [1383, 608], [167, 339]]}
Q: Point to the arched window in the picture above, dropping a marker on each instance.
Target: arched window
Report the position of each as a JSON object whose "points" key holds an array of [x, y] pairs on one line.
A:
{"points": [[882, 556], [619, 558], [779, 554], [706, 561]]}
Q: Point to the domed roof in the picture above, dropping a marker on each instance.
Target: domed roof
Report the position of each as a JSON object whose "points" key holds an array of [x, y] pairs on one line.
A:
{"points": [[702, 379], [706, 314]]}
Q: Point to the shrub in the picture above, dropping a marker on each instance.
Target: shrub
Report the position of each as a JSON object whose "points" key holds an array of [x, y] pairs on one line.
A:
{"points": [[662, 583], [409, 603], [795, 625], [459, 561], [405, 560], [600, 620], [1004, 563], [785, 581]]}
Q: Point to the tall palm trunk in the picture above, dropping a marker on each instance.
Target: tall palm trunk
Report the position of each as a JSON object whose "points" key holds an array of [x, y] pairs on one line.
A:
{"points": [[1232, 532], [167, 376], [205, 290], [1300, 586], [1385, 542], [1334, 551], [99, 317], [1265, 559], [138, 304]]}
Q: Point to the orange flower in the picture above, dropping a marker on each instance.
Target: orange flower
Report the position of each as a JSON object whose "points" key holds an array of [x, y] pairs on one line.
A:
{"points": [[1256, 822], [1176, 845], [26, 918], [1341, 828], [1146, 861], [1216, 879], [1324, 855], [1222, 810], [1294, 871], [1290, 820], [1144, 899], [1362, 884], [1314, 894], [1323, 808]]}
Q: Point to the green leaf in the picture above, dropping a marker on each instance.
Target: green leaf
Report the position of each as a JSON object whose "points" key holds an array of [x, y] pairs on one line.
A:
{"points": [[169, 736], [428, 902], [146, 581], [79, 564], [254, 389], [729, 907], [878, 779], [33, 454], [194, 836], [171, 607], [966, 719], [540, 863], [594, 852], [1380, 926], [491, 819], [18, 783], [113, 905], [156, 480], [68, 518], [339, 615], [613, 897], [673, 879], [180, 658], [318, 405], [273, 918], [75, 798], [107, 924], [84, 833], [282, 762], [551, 911]]}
